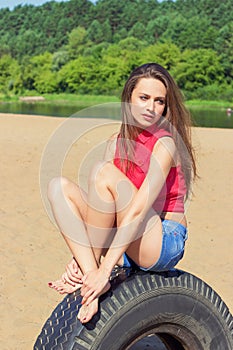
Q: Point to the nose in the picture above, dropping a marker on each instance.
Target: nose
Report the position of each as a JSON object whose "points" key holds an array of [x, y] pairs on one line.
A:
{"points": [[151, 105]]}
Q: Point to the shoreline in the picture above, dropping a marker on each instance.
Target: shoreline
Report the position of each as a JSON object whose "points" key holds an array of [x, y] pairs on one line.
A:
{"points": [[32, 251], [208, 117]]}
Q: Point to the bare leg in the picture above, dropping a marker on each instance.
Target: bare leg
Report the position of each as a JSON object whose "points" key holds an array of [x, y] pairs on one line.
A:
{"points": [[110, 191], [104, 205], [69, 207], [109, 195], [86, 228]]}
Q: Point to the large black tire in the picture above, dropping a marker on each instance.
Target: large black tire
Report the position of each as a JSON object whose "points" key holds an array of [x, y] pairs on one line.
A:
{"points": [[179, 308]]}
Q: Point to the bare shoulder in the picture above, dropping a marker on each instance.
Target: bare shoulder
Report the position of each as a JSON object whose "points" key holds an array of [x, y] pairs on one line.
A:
{"points": [[165, 146]]}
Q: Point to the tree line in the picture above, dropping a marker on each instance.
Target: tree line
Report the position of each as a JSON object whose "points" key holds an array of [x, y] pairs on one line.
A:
{"points": [[82, 47]]}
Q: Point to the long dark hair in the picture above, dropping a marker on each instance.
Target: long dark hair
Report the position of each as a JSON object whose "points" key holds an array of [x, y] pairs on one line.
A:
{"points": [[175, 117]]}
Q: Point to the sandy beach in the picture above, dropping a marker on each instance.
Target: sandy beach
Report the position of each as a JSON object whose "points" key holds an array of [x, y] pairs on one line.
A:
{"points": [[32, 251]]}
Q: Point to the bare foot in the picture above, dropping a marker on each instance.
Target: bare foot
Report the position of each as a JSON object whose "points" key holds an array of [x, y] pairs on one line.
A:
{"points": [[86, 312], [70, 281], [63, 287]]}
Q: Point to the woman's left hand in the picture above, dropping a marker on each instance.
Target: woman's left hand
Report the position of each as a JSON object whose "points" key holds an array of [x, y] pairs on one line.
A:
{"points": [[95, 283]]}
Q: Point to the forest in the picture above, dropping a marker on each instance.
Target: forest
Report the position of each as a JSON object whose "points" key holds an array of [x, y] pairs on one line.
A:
{"points": [[83, 47]]}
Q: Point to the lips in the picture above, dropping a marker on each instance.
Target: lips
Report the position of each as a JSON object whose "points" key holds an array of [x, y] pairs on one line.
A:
{"points": [[148, 116]]}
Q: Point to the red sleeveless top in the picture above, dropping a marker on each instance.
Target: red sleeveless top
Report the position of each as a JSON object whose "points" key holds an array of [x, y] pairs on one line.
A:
{"points": [[171, 197]]}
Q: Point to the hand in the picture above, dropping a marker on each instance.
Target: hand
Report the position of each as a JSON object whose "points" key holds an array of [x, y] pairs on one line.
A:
{"points": [[95, 283], [73, 273]]}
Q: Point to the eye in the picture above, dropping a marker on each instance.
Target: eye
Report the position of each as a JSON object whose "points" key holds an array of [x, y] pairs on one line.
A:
{"points": [[143, 98], [160, 101]]}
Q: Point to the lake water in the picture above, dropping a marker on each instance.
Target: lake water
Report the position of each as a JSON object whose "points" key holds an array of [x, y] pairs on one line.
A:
{"points": [[216, 118]]}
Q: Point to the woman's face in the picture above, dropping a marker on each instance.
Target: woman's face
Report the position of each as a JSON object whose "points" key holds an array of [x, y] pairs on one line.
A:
{"points": [[148, 101]]}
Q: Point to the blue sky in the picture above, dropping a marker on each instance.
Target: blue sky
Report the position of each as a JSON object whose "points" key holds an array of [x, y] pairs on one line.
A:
{"points": [[12, 3]]}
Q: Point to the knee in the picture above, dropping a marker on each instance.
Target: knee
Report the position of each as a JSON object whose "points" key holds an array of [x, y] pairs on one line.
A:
{"points": [[101, 173], [57, 186]]}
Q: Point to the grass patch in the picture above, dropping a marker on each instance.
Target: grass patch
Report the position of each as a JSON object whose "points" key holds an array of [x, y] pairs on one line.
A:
{"points": [[8, 98], [77, 100], [206, 105], [65, 99]]}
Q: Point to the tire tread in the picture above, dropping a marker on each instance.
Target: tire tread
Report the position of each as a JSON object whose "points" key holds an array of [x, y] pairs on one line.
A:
{"points": [[63, 331]]}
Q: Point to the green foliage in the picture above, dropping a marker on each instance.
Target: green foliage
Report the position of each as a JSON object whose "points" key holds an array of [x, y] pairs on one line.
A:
{"points": [[59, 59], [155, 28], [166, 54], [79, 75], [95, 32], [37, 73], [9, 74], [212, 92], [195, 32], [98, 32], [198, 68], [77, 41], [138, 31], [83, 47]]}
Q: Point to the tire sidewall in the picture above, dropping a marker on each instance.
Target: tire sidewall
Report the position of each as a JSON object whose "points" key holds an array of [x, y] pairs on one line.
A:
{"points": [[193, 317]]}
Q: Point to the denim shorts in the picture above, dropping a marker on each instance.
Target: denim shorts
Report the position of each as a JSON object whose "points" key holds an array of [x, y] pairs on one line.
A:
{"points": [[173, 244]]}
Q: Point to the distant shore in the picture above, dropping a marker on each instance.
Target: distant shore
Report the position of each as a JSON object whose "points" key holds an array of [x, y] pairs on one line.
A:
{"points": [[89, 100]]}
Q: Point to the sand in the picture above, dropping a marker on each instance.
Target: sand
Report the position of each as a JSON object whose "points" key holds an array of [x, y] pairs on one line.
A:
{"points": [[32, 252]]}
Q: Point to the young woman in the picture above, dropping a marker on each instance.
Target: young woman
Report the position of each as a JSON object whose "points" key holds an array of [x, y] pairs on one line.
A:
{"points": [[133, 212]]}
